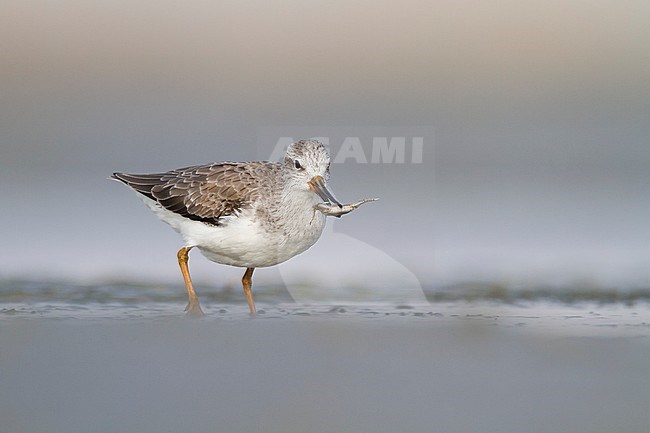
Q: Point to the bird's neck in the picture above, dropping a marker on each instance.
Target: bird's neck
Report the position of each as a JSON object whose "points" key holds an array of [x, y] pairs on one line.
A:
{"points": [[296, 207]]}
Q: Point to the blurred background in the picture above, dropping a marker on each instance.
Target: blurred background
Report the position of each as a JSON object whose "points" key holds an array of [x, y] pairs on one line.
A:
{"points": [[534, 118]]}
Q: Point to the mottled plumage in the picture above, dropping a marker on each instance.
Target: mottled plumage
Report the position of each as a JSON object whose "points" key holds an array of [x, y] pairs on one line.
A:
{"points": [[209, 192], [253, 214]]}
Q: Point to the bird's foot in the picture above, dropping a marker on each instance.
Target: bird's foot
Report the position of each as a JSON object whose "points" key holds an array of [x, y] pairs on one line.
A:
{"points": [[193, 309]]}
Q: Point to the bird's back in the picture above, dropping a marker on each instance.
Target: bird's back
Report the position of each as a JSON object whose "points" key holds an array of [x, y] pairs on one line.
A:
{"points": [[207, 193]]}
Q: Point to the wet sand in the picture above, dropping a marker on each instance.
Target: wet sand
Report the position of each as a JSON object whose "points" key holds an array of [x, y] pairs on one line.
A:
{"points": [[457, 367]]}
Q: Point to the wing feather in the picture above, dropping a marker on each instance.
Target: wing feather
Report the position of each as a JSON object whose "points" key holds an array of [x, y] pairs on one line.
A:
{"points": [[205, 193]]}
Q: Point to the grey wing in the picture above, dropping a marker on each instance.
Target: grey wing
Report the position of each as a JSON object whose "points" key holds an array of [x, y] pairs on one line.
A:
{"points": [[204, 193]]}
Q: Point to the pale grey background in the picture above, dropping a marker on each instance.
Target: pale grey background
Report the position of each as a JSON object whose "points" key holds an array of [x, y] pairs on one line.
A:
{"points": [[537, 170]]}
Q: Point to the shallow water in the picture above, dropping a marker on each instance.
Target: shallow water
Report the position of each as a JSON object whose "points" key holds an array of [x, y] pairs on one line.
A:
{"points": [[108, 359], [573, 311], [584, 319], [129, 292]]}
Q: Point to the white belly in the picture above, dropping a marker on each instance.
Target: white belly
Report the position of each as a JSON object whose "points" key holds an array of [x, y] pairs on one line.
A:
{"points": [[244, 240]]}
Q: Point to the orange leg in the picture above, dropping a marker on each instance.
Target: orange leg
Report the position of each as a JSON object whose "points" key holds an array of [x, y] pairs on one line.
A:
{"points": [[193, 308], [247, 282]]}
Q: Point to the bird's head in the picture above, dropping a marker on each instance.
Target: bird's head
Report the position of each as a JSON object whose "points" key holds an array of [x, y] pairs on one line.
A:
{"points": [[307, 163]]}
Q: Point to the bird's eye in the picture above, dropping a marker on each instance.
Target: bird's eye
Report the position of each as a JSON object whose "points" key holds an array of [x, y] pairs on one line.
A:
{"points": [[296, 164]]}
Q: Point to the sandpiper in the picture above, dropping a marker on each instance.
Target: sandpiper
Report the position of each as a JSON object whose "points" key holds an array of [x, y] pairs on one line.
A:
{"points": [[246, 214]]}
